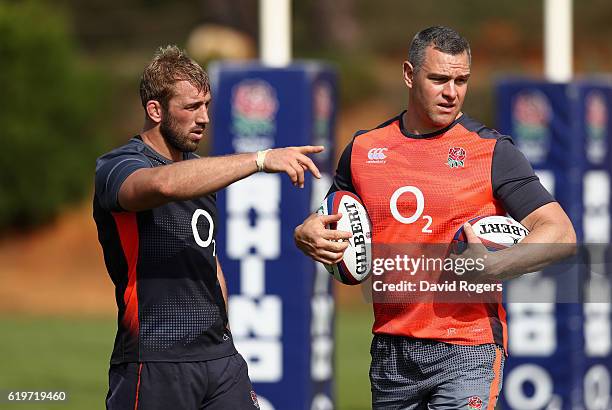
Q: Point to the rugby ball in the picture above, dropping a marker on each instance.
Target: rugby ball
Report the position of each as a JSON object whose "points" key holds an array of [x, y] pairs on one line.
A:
{"points": [[356, 265], [496, 233]]}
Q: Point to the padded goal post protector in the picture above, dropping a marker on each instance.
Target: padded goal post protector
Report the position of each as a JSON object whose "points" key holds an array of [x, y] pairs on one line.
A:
{"points": [[564, 132], [281, 307], [593, 113]]}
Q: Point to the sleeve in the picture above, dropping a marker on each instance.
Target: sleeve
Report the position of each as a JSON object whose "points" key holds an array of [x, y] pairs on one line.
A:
{"points": [[111, 172], [343, 180], [514, 182]]}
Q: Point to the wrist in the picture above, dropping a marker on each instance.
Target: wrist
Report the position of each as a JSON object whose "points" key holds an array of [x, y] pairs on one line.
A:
{"points": [[494, 264], [260, 159]]}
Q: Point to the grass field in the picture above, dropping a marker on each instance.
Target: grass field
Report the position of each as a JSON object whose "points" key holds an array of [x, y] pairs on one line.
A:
{"points": [[56, 354], [71, 355], [353, 336]]}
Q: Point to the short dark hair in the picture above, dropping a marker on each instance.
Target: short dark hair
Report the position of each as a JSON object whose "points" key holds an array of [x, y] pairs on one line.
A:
{"points": [[170, 65], [442, 38]]}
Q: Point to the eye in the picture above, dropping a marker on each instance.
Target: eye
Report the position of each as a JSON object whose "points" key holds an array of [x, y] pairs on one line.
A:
{"points": [[462, 80], [439, 80]]}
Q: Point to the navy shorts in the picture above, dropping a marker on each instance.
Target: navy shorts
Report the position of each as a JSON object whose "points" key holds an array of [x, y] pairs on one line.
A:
{"points": [[416, 374], [218, 384]]}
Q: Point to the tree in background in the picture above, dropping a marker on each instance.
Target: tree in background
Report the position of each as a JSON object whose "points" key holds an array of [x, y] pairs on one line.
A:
{"points": [[240, 15], [337, 24], [49, 113]]}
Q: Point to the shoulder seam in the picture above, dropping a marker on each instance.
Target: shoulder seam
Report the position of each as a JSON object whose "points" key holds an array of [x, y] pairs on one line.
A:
{"points": [[384, 124], [480, 129], [489, 133]]}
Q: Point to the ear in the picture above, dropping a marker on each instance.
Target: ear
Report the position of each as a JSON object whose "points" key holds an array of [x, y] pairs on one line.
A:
{"points": [[408, 74], [154, 111]]}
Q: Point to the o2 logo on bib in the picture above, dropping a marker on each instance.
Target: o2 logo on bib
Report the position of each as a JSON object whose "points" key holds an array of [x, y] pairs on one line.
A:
{"points": [[204, 239], [418, 212]]}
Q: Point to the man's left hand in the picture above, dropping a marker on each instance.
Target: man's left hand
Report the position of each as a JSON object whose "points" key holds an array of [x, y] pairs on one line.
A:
{"points": [[475, 251]]}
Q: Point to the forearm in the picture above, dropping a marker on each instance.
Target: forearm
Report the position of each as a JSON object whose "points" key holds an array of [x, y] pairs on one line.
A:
{"points": [[151, 187], [548, 242], [194, 178]]}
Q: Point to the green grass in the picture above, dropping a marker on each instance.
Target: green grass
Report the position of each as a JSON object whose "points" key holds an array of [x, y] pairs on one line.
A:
{"points": [[71, 355], [353, 337], [56, 354]]}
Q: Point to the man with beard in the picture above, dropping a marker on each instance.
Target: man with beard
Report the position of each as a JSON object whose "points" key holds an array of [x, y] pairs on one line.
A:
{"points": [[154, 207]]}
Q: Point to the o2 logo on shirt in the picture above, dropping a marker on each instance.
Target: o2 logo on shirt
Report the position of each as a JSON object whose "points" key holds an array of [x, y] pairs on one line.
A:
{"points": [[418, 213], [204, 243]]}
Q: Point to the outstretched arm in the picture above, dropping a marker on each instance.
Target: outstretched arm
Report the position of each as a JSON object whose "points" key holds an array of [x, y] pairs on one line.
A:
{"points": [[148, 188]]}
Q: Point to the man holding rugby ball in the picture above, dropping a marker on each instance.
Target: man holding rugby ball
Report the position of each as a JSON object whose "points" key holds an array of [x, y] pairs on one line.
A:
{"points": [[421, 175]]}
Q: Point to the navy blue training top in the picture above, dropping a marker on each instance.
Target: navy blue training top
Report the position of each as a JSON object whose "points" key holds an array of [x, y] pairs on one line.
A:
{"points": [[162, 262]]}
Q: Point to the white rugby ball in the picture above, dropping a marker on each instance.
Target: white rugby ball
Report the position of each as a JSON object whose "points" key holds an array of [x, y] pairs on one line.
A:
{"points": [[356, 265], [496, 233]]}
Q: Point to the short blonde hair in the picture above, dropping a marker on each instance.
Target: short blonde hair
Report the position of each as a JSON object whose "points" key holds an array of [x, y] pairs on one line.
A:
{"points": [[170, 65]]}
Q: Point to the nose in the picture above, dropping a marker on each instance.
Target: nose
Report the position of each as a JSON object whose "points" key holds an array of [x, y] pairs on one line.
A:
{"points": [[202, 117], [450, 91]]}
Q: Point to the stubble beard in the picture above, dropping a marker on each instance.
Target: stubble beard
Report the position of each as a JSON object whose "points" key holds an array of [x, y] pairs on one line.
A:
{"points": [[174, 136]]}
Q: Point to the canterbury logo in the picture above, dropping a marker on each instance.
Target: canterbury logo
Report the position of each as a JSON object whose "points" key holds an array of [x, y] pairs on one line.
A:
{"points": [[377, 154]]}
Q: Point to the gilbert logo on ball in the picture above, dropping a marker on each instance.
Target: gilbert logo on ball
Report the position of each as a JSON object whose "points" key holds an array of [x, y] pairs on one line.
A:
{"points": [[495, 232], [356, 265]]}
